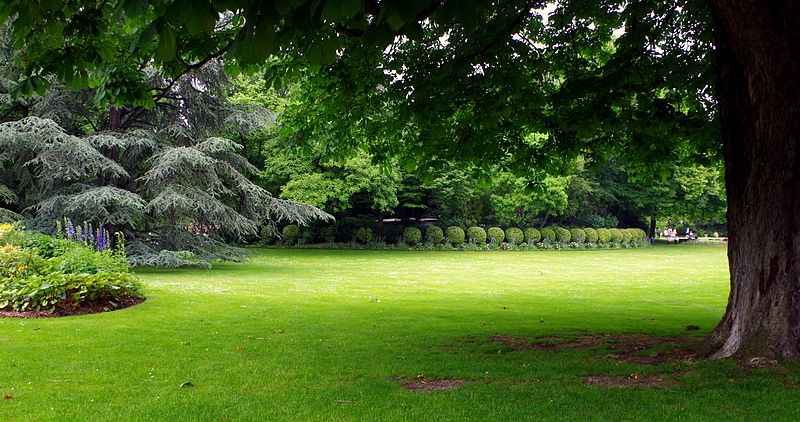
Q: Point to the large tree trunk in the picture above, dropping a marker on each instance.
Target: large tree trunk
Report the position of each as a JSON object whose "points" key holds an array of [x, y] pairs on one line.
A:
{"points": [[758, 88]]}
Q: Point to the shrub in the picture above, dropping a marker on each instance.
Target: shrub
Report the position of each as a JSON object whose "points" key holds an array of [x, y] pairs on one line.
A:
{"points": [[434, 233], [591, 234], [496, 234], [363, 235], [412, 235], [615, 235], [548, 233], [477, 234], [515, 235], [38, 271], [626, 235], [267, 233], [611, 221], [290, 233], [563, 235], [603, 235], [600, 221], [637, 234], [328, 233], [532, 234], [578, 235], [455, 235]]}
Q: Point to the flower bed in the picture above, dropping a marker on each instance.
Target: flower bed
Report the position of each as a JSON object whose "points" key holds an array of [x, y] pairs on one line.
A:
{"points": [[39, 272]]}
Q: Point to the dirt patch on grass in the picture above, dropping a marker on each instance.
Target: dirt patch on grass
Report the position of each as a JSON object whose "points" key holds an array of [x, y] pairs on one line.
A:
{"points": [[633, 380], [433, 384], [438, 384], [546, 343], [88, 307], [638, 349]]}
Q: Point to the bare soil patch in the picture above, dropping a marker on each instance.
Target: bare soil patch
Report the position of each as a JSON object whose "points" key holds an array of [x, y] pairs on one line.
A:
{"points": [[629, 348], [633, 380], [421, 384], [68, 309], [438, 384]]}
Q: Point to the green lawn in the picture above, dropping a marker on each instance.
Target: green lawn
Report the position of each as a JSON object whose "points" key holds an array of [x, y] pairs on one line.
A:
{"points": [[288, 334]]}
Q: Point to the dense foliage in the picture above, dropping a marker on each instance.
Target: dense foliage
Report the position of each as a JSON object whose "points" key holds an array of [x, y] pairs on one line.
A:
{"points": [[476, 234], [577, 235], [455, 235], [514, 235], [363, 235], [412, 235], [185, 199], [495, 234], [41, 272], [533, 234]]}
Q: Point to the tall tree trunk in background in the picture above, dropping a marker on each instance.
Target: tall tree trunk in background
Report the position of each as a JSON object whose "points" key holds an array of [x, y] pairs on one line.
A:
{"points": [[114, 118], [651, 232], [758, 88]]}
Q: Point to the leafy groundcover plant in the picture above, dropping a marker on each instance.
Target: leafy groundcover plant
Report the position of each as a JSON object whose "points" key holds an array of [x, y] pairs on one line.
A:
{"points": [[42, 273]]}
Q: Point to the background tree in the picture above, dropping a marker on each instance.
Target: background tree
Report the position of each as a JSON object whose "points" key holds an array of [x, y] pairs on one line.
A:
{"points": [[177, 204]]}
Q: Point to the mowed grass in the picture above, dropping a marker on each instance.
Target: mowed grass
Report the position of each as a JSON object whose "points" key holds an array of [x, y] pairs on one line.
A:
{"points": [[318, 335]]}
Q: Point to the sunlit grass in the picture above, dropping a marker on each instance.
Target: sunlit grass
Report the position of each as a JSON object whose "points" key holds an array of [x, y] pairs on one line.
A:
{"points": [[288, 334]]}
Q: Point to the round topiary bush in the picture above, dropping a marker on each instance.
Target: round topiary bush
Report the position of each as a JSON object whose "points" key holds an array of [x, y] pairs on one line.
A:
{"points": [[477, 235], [532, 234], [496, 234], [591, 234], [435, 234], [412, 235], [363, 235], [637, 235], [563, 235], [626, 235], [515, 235], [455, 235], [615, 235], [548, 235], [603, 235], [578, 235], [290, 233]]}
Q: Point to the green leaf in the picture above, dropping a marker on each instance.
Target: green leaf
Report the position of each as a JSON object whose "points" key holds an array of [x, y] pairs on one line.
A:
{"points": [[264, 41], [340, 10], [147, 36], [40, 85], [51, 4], [135, 8], [285, 6], [446, 13], [413, 30], [379, 36], [394, 20], [167, 44], [202, 20]]}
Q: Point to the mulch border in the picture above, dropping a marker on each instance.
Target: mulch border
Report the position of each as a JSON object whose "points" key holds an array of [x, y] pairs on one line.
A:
{"points": [[88, 307]]}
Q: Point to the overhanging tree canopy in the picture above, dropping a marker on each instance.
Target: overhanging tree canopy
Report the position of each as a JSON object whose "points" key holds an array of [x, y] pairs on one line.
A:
{"points": [[437, 80]]}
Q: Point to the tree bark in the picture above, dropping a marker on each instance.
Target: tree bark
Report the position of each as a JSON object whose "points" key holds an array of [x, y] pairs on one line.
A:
{"points": [[114, 118], [758, 90], [651, 231]]}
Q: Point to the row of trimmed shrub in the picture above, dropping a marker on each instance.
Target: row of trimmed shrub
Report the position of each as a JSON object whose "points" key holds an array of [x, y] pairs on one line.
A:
{"points": [[456, 235]]}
